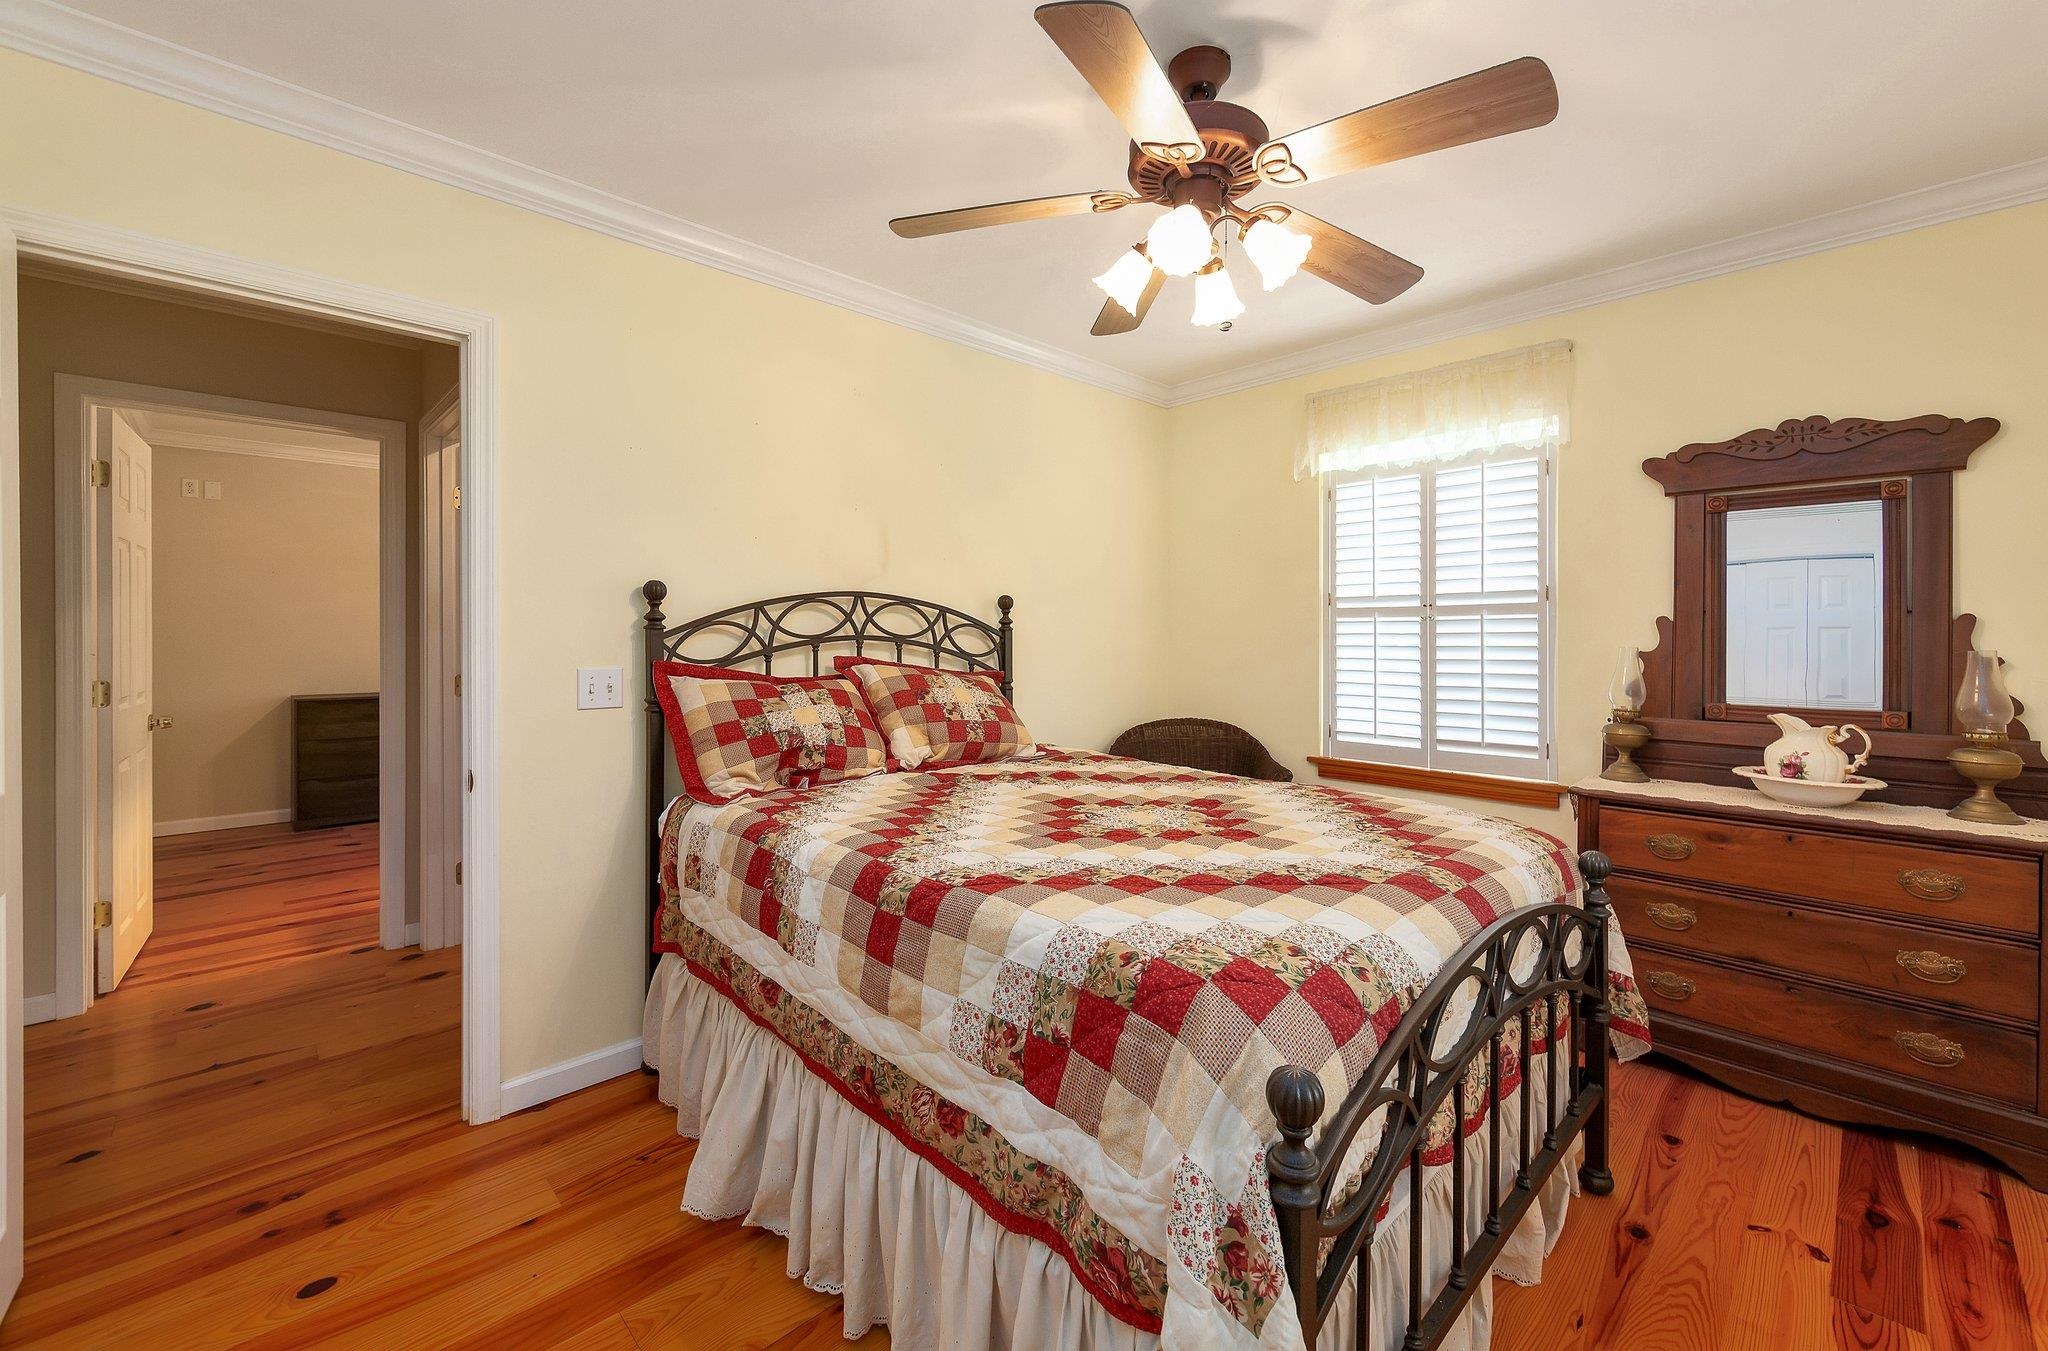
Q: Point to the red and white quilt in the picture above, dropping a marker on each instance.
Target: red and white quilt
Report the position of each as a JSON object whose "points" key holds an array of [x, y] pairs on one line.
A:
{"points": [[1066, 980]]}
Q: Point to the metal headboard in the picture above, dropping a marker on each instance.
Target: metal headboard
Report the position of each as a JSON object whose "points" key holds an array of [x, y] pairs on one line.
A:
{"points": [[866, 623]]}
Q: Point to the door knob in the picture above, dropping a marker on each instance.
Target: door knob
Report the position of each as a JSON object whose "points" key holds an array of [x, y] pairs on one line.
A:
{"points": [[157, 724]]}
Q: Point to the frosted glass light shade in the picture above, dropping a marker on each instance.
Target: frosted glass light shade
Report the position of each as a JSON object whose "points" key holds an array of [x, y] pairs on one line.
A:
{"points": [[1983, 708], [1126, 279], [1625, 694], [1216, 299], [1275, 250], [1179, 242]]}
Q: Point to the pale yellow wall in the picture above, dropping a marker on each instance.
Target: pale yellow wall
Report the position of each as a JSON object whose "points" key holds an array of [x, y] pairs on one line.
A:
{"points": [[84, 330], [1951, 319], [267, 592], [663, 419]]}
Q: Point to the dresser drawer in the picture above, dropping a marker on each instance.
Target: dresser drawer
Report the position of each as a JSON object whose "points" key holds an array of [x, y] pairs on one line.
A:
{"points": [[1937, 885], [1950, 1052], [1884, 958]]}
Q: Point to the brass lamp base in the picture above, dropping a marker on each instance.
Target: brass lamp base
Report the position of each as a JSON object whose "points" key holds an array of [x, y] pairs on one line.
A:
{"points": [[1986, 764], [1625, 736]]}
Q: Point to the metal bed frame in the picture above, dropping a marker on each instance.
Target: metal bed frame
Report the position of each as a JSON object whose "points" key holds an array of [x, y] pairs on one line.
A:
{"points": [[1484, 1001]]}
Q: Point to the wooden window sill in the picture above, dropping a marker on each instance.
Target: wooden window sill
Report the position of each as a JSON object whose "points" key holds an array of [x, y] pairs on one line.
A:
{"points": [[1490, 787]]}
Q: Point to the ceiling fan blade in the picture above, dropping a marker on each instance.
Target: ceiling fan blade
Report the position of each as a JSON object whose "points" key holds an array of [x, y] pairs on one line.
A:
{"points": [[1103, 42], [1007, 213], [1116, 319], [1344, 260], [1511, 97]]}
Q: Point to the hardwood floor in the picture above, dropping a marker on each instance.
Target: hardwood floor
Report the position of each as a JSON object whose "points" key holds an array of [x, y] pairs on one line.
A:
{"points": [[256, 1142]]}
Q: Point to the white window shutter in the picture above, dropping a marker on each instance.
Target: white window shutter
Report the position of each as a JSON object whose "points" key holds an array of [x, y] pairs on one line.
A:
{"points": [[1439, 616]]}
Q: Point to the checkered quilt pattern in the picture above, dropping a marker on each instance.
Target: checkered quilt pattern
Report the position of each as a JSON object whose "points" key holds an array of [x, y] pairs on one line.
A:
{"points": [[739, 732], [932, 717], [1103, 960]]}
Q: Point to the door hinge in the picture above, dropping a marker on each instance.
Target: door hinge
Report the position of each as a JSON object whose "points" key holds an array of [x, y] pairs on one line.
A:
{"points": [[102, 693], [458, 872], [102, 914], [101, 473], [458, 684], [458, 497]]}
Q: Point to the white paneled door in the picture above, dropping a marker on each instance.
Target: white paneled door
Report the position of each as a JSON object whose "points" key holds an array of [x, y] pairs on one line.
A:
{"points": [[131, 721], [10, 772]]}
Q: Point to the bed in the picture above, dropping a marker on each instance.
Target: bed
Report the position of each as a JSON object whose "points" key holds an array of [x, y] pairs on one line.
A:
{"points": [[1039, 1051]]}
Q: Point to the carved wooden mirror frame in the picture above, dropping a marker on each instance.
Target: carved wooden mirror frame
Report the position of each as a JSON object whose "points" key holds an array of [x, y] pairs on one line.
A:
{"points": [[1696, 734]]}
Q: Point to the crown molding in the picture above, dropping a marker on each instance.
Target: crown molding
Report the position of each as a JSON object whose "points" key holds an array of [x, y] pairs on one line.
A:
{"points": [[83, 42], [1995, 190], [98, 47]]}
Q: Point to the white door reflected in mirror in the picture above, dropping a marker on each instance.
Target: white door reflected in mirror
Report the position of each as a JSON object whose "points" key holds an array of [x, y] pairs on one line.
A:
{"points": [[1806, 606]]}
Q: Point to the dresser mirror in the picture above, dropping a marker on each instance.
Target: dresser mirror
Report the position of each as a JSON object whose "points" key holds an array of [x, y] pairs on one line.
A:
{"points": [[1806, 610], [1812, 575]]}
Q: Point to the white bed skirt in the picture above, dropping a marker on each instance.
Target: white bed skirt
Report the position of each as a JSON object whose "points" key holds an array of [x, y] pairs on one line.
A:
{"points": [[870, 1221]]}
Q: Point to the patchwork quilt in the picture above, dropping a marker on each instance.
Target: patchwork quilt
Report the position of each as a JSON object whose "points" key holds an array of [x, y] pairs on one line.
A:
{"points": [[1065, 982]]}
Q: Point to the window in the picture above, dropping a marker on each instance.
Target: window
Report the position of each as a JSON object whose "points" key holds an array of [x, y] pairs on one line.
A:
{"points": [[1438, 583]]}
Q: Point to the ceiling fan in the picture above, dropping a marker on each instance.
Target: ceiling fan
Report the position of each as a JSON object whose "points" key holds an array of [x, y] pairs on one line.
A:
{"points": [[1196, 156]]}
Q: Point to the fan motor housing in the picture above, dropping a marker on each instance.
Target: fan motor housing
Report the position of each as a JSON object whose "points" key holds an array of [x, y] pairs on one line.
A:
{"points": [[1231, 136]]}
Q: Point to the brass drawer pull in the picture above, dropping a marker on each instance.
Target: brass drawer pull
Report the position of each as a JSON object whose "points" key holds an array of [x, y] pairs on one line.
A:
{"points": [[1672, 847], [1929, 1049], [1931, 884], [1677, 918], [1932, 967], [1670, 985]]}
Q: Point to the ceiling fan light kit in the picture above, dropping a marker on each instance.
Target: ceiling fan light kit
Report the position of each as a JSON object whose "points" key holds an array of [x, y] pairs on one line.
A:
{"points": [[1196, 155], [1216, 299], [1276, 251], [1126, 279]]}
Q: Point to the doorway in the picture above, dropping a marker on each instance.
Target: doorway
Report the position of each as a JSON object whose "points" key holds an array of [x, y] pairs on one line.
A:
{"points": [[110, 498]]}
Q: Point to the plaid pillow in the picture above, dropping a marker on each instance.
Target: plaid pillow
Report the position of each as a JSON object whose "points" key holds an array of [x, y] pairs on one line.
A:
{"points": [[738, 732], [933, 717]]}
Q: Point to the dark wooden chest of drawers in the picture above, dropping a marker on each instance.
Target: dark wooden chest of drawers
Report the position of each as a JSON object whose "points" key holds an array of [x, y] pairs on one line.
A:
{"points": [[334, 759], [1884, 969]]}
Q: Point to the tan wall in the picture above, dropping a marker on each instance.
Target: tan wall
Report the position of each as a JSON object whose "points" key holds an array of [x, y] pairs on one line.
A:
{"points": [[82, 330], [1951, 319], [267, 592], [662, 419]]}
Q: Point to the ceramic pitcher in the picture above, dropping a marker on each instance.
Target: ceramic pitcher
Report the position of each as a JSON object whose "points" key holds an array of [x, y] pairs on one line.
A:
{"points": [[1803, 751]]}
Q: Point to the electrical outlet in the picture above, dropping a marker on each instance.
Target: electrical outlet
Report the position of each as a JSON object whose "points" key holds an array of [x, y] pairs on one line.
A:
{"points": [[213, 490], [600, 687], [188, 487]]}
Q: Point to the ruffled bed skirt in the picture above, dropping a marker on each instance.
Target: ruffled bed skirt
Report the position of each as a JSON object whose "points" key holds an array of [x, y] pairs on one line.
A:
{"points": [[870, 1221]]}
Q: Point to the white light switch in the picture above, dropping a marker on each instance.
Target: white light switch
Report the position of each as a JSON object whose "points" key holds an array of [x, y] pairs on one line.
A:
{"points": [[213, 490], [188, 487], [600, 687]]}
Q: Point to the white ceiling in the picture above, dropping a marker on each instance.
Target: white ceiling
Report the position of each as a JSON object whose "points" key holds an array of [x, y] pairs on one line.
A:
{"points": [[803, 125]]}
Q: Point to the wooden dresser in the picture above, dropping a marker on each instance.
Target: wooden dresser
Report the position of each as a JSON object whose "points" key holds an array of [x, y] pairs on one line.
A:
{"points": [[334, 760], [1879, 964]]}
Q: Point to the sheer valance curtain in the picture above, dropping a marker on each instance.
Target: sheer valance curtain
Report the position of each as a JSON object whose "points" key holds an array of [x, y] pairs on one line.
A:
{"points": [[1518, 399]]}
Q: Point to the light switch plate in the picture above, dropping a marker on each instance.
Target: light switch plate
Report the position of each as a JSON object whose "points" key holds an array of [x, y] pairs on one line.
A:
{"points": [[600, 687], [188, 487], [213, 490]]}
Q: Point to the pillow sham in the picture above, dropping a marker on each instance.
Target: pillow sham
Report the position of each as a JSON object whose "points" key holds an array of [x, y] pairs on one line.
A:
{"points": [[741, 732], [930, 717]]}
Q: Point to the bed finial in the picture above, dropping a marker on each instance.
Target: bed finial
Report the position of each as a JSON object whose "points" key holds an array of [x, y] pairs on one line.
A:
{"points": [[654, 593], [1004, 603], [1296, 1097]]}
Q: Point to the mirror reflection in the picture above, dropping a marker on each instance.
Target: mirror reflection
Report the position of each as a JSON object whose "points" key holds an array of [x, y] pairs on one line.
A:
{"points": [[1805, 608]]}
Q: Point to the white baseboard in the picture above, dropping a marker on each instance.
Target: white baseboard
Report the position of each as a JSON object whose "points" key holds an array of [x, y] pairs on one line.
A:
{"points": [[543, 1085], [38, 1009], [412, 935], [193, 825]]}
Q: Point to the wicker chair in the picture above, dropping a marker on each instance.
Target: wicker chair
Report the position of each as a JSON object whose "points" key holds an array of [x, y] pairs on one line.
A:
{"points": [[1201, 743]]}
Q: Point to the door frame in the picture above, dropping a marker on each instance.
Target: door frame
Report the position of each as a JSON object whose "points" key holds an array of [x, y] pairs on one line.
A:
{"points": [[440, 897], [183, 266], [79, 400]]}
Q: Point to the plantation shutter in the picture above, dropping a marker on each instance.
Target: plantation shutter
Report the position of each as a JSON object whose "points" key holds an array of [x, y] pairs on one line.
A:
{"points": [[1438, 572]]}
